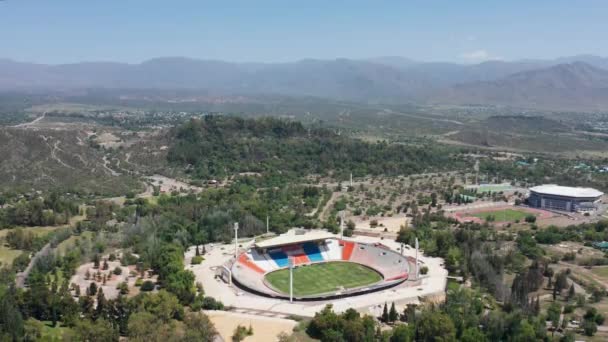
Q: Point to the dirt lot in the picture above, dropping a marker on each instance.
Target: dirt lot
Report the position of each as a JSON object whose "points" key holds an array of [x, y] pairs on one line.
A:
{"points": [[265, 329], [392, 224], [109, 289], [168, 185]]}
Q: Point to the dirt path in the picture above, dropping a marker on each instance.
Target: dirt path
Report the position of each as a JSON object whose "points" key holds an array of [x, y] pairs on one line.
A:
{"points": [[22, 276], [106, 162], [328, 205], [33, 122]]}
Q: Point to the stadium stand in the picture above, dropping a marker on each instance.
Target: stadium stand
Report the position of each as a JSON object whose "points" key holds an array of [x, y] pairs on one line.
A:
{"points": [[244, 260], [279, 257], [261, 260], [347, 249], [313, 252]]}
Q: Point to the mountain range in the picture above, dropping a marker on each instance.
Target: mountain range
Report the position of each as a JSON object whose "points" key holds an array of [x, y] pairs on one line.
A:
{"points": [[569, 83]]}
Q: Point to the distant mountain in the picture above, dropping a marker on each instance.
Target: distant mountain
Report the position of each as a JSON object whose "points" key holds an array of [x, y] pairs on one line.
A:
{"points": [[572, 86], [382, 79]]}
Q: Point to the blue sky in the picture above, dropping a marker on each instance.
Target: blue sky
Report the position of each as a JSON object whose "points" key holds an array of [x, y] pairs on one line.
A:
{"points": [[63, 31]]}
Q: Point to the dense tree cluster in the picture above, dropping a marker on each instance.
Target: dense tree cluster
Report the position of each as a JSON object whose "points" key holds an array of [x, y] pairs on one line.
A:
{"points": [[49, 211], [222, 145]]}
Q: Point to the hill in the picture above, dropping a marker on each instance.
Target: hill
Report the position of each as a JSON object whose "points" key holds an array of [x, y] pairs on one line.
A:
{"points": [[573, 86]]}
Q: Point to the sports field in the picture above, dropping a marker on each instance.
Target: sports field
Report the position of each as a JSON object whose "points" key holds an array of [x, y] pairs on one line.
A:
{"points": [[493, 187], [504, 215], [323, 278]]}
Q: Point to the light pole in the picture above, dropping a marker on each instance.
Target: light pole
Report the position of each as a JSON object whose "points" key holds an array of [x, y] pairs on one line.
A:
{"points": [[291, 279], [417, 267], [236, 239], [267, 224]]}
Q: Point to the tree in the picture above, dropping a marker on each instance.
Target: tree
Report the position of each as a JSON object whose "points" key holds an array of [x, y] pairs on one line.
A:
{"points": [[200, 328], [98, 331], [403, 333], [435, 326], [589, 327], [384, 318], [92, 290], [571, 292], [393, 315], [553, 314], [473, 335], [240, 332], [33, 330], [102, 310], [144, 327]]}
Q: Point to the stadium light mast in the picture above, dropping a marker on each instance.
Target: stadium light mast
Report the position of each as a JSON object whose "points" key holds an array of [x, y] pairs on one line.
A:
{"points": [[267, 224], [417, 267], [291, 279], [236, 239], [351, 179]]}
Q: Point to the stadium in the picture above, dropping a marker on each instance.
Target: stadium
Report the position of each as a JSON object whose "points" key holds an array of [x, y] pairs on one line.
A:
{"points": [[564, 198], [324, 267]]}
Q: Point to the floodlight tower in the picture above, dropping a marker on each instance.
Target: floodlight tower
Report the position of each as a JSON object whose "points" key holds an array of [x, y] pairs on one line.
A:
{"points": [[291, 279], [351, 179], [267, 224], [236, 239], [417, 267]]}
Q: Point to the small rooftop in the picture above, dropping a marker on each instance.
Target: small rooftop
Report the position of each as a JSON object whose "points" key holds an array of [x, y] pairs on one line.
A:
{"points": [[567, 191], [295, 236]]}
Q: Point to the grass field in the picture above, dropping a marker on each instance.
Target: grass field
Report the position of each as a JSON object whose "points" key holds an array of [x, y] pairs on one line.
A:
{"points": [[503, 215], [493, 188], [601, 272], [323, 278]]}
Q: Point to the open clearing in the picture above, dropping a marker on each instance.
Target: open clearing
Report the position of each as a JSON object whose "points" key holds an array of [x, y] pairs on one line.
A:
{"points": [[601, 272], [323, 278], [503, 215], [264, 328]]}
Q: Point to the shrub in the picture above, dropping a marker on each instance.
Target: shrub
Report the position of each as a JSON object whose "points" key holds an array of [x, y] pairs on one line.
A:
{"points": [[139, 282], [117, 270], [197, 259], [210, 303], [123, 288], [530, 219], [147, 286], [424, 270]]}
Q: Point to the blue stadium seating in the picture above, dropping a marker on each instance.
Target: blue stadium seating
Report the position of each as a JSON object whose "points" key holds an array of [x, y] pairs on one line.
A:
{"points": [[313, 252], [279, 257]]}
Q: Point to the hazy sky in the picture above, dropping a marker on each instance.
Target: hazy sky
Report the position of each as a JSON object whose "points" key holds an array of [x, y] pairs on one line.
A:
{"points": [[60, 31]]}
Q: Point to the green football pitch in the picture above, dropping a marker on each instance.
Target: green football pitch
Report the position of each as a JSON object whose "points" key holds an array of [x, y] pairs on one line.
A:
{"points": [[323, 278], [493, 188], [505, 215]]}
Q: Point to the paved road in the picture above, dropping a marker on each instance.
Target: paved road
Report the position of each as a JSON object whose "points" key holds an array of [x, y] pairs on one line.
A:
{"points": [[22, 276]]}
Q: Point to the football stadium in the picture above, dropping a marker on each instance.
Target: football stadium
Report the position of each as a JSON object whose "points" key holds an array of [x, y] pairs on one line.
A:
{"points": [[564, 198], [322, 266]]}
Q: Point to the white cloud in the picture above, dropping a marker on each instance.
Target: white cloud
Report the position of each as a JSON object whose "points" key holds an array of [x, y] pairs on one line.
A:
{"points": [[478, 56]]}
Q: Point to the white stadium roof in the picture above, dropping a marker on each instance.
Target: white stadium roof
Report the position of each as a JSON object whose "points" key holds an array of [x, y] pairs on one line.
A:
{"points": [[291, 237], [566, 191]]}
